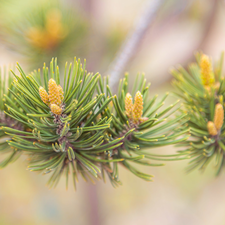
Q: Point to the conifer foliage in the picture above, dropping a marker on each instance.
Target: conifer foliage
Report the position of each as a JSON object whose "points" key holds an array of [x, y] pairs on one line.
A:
{"points": [[6, 120], [202, 89], [46, 29], [77, 126]]}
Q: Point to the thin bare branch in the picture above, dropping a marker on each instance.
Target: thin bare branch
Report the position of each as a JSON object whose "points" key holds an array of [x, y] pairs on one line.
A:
{"points": [[131, 44], [205, 36]]}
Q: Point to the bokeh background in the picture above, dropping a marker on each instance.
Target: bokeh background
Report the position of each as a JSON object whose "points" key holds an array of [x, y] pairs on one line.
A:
{"points": [[97, 30]]}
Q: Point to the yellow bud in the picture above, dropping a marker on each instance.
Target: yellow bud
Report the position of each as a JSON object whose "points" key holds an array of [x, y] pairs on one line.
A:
{"points": [[44, 95], [56, 109], [138, 107], [61, 93], [53, 90], [207, 75], [128, 105], [218, 116], [211, 128]]}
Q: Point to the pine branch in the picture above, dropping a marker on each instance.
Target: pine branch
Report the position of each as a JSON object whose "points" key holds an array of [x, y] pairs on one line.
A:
{"points": [[5, 120], [77, 126], [46, 29], [202, 90]]}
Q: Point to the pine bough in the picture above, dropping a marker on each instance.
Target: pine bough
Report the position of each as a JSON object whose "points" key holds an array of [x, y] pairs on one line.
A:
{"points": [[77, 126]]}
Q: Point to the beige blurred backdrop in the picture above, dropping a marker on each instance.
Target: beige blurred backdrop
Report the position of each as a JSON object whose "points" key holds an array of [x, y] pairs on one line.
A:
{"points": [[174, 198]]}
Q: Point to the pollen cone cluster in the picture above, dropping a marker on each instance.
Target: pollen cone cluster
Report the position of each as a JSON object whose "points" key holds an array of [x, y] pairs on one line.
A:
{"points": [[56, 109], [207, 75], [218, 116], [44, 95], [134, 111], [214, 127], [53, 90], [51, 34], [211, 128], [54, 97], [61, 93], [138, 106], [129, 105]]}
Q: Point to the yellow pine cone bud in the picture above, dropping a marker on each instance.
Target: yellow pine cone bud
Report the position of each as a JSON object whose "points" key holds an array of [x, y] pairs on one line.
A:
{"points": [[207, 75], [44, 95], [138, 106], [128, 105], [56, 109], [218, 116], [61, 93], [211, 128], [53, 90]]}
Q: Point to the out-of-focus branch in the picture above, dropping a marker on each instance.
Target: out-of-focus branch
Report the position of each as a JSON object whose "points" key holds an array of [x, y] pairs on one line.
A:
{"points": [[201, 45], [171, 19], [133, 40], [93, 205], [88, 6]]}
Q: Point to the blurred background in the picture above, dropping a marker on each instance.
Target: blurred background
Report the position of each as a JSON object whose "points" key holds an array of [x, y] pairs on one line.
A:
{"points": [[114, 36]]}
